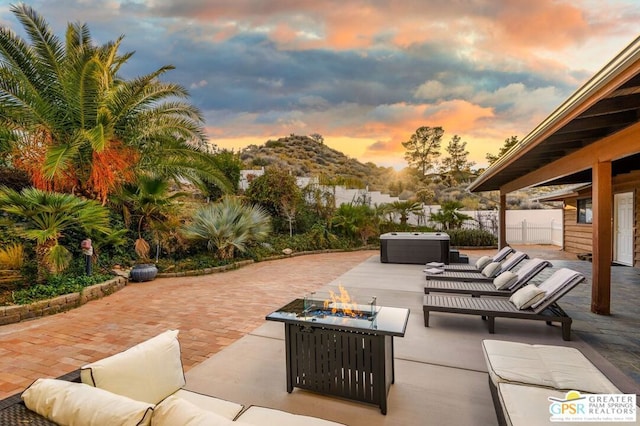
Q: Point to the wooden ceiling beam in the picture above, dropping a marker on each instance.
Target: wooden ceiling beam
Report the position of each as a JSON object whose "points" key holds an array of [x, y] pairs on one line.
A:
{"points": [[596, 123], [613, 105], [610, 148]]}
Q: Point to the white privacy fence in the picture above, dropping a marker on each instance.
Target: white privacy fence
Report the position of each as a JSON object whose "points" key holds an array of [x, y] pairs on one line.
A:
{"points": [[535, 233], [523, 226]]}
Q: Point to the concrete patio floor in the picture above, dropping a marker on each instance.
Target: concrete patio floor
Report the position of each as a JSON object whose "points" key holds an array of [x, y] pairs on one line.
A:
{"points": [[441, 377], [229, 350]]}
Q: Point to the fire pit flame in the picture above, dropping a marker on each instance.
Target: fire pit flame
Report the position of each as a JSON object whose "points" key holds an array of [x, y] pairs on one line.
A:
{"points": [[341, 303]]}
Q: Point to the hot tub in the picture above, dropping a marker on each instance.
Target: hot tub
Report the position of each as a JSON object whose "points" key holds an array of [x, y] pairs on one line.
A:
{"points": [[414, 247]]}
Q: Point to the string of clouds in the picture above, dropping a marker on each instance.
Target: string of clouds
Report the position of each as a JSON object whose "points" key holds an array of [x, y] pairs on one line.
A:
{"points": [[364, 73]]}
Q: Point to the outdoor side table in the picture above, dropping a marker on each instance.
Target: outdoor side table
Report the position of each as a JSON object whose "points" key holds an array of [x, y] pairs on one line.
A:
{"points": [[341, 356]]}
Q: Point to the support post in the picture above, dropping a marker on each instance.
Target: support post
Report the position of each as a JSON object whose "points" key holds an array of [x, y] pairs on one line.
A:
{"points": [[602, 238], [502, 220]]}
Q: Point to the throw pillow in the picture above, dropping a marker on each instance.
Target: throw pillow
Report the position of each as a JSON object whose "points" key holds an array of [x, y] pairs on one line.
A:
{"points": [[505, 280], [482, 262], [492, 269], [177, 411], [149, 371], [69, 403], [527, 296]]}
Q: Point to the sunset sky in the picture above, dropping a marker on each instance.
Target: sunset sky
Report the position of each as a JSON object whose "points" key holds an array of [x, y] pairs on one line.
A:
{"points": [[364, 74]]}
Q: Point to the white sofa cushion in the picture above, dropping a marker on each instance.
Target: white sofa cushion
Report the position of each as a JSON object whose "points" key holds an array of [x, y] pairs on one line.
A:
{"points": [[219, 406], [174, 411], [526, 296], [492, 269], [259, 416], [557, 367], [149, 371], [505, 280], [69, 403]]}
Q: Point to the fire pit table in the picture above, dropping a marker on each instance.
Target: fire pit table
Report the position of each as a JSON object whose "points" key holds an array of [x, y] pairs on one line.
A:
{"points": [[349, 355]]}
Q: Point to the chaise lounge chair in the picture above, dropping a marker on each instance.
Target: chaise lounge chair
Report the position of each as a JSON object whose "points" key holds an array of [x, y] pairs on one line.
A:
{"points": [[526, 303], [489, 272], [481, 262], [504, 284]]}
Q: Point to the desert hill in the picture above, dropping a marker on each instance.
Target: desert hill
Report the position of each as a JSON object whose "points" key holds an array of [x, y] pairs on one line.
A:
{"points": [[305, 156]]}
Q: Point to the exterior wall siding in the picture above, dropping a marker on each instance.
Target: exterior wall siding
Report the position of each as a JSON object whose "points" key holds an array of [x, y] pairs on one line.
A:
{"points": [[578, 237]]}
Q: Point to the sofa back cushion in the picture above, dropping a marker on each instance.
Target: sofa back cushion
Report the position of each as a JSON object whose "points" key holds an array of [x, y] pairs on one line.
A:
{"points": [[149, 371], [69, 403]]}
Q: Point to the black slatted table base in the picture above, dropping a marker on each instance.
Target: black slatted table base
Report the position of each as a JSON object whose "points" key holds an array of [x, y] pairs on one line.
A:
{"points": [[347, 364]]}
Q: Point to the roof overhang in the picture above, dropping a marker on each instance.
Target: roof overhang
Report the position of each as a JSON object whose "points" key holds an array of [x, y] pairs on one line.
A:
{"points": [[607, 104], [570, 192]]}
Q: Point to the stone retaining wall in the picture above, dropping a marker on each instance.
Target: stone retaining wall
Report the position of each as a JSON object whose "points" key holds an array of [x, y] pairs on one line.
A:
{"points": [[17, 313]]}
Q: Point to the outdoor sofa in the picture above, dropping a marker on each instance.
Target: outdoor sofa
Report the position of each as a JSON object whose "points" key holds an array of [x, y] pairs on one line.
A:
{"points": [[487, 274], [530, 302], [523, 378], [504, 284], [140, 386]]}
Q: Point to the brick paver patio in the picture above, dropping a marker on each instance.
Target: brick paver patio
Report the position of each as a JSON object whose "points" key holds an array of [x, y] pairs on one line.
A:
{"points": [[211, 312]]}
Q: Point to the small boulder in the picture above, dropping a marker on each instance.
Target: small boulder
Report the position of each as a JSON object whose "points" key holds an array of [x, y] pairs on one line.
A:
{"points": [[287, 251]]}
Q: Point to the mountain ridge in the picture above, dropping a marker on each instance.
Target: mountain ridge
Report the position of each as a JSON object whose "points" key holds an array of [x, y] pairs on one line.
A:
{"points": [[306, 156]]}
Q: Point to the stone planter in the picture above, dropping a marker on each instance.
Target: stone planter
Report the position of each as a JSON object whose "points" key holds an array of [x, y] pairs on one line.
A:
{"points": [[143, 272]]}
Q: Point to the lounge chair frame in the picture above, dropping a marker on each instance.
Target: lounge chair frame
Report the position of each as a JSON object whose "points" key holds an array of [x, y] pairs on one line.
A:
{"points": [[470, 275], [476, 288], [491, 308], [498, 257]]}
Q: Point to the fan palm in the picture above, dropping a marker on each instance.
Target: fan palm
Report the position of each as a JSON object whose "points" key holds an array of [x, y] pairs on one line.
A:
{"points": [[148, 202], [76, 126], [228, 225], [46, 216], [404, 209], [449, 217]]}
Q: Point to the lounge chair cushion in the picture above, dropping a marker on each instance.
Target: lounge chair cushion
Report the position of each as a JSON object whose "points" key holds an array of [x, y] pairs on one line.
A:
{"points": [[70, 403], [526, 296], [177, 411], [482, 262], [502, 254], [556, 282], [492, 269], [505, 280], [548, 366], [526, 405], [149, 371]]}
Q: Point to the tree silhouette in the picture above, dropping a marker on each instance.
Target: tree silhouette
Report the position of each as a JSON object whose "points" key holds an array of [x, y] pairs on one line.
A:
{"points": [[508, 144], [423, 148]]}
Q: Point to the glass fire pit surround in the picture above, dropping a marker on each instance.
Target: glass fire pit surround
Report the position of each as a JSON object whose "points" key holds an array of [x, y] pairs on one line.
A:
{"points": [[346, 354]]}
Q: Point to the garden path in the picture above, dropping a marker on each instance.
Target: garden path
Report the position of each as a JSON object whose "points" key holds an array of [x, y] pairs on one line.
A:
{"points": [[211, 312]]}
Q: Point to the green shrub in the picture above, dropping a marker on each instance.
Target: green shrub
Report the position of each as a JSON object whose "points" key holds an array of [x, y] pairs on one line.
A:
{"points": [[57, 285], [471, 238], [194, 262]]}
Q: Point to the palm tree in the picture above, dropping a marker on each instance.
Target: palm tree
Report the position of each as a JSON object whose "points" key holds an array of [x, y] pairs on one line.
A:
{"points": [[449, 216], [404, 209], [228, 225], [76, 126], [149, 203], [46, 217], [356, 221]]}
